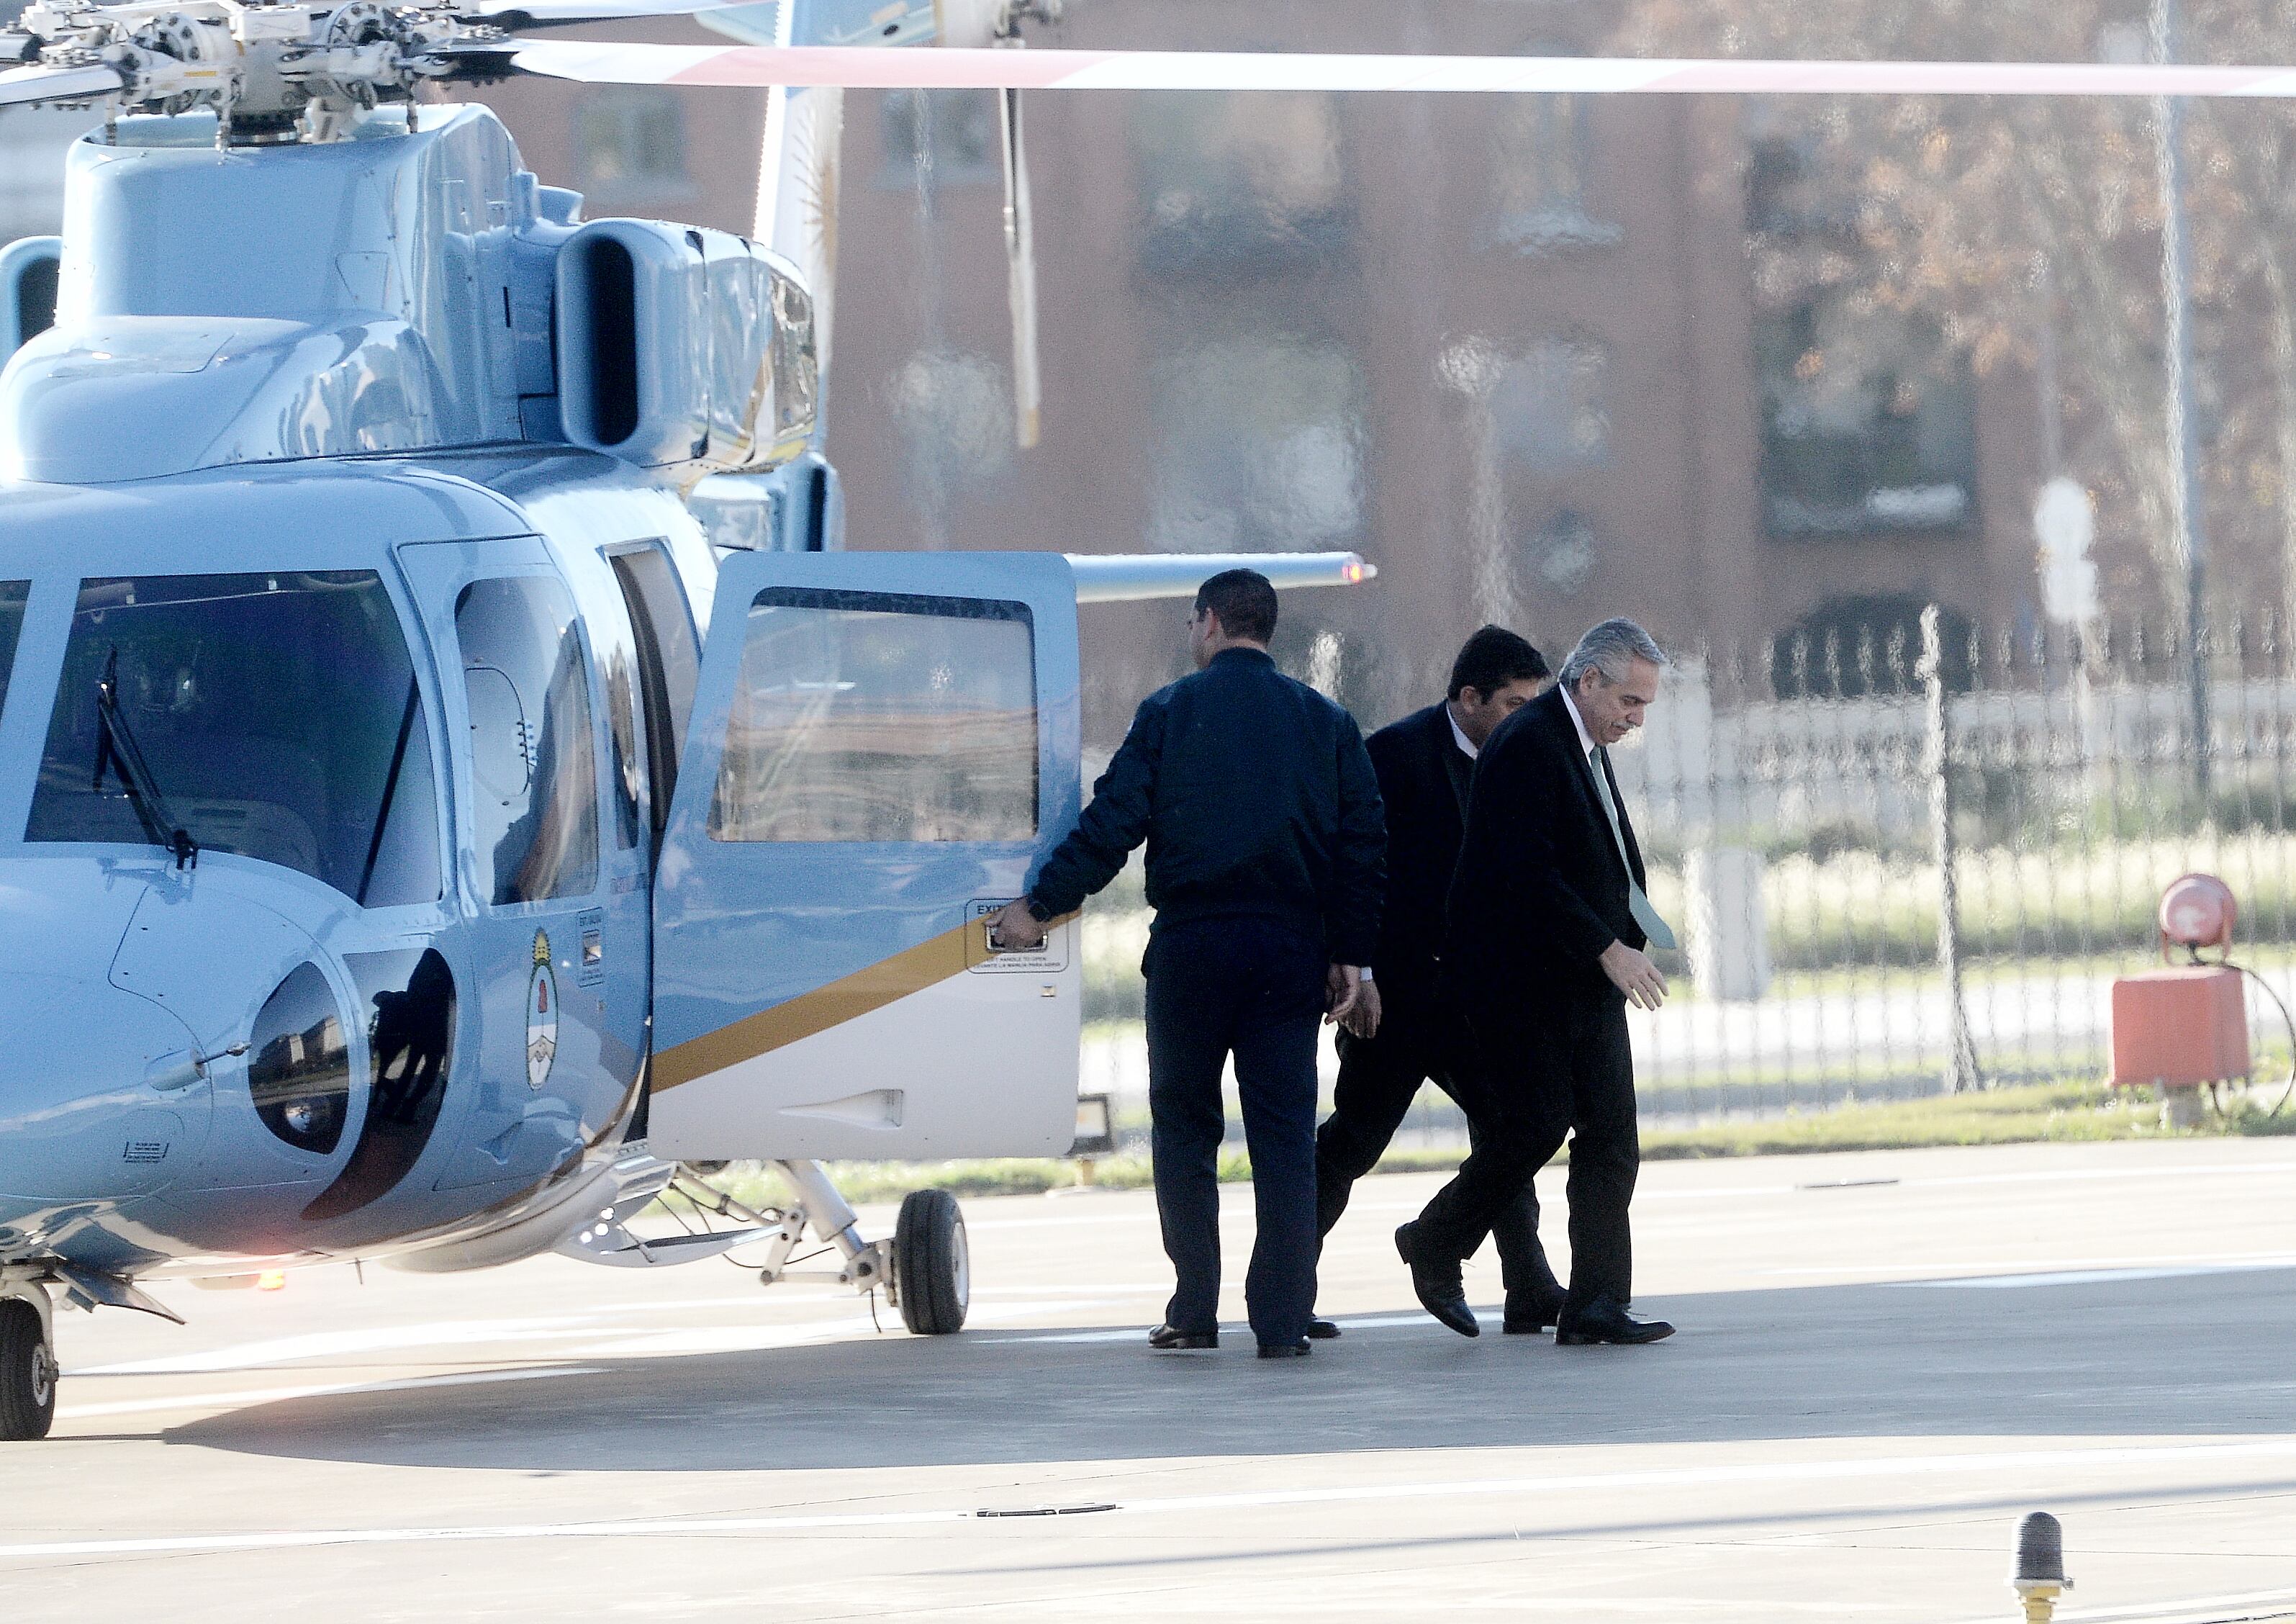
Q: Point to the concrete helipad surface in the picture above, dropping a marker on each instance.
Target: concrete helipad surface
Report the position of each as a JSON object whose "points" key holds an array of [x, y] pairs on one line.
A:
{"points": [[1884, 1361]]}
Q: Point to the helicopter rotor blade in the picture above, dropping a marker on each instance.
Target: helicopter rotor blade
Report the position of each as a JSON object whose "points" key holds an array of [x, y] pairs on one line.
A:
{"points": [[26, 87], [863, 68], [517, 15], [1020, 274]]}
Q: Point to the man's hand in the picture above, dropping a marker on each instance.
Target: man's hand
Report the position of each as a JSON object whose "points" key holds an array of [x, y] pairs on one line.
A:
{"points": [[1363, 1020], [1015, 929], [1634, 974], [1343, 988]]}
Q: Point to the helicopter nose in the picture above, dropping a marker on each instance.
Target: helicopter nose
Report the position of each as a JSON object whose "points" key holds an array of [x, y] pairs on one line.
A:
{"points": [[98, 1092]]}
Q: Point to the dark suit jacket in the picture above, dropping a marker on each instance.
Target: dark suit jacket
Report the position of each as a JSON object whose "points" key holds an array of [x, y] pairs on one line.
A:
{"points": [[1423, 777], [1539, 891]]}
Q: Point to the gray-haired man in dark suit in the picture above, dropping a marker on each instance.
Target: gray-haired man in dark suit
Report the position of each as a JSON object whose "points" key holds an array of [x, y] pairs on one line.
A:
{"points": [[1542, 951]]}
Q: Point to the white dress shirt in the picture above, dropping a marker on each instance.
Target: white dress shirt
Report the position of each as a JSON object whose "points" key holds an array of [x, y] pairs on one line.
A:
{"points": [[1586, 739], [1459, 734]]}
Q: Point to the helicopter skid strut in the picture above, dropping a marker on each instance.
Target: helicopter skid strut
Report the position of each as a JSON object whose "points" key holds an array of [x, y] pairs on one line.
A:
{"points": [[924, 1266], [867, 1264]]}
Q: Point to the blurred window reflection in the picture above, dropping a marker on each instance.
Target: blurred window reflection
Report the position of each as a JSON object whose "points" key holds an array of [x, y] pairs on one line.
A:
{"points": [[1539, 187], [1562, 552], [1868, 416], [882, 717], [1868, 422], [630, 142], [955, 413], [956, 130], [1548, 407], [1245, 182], [1259, 447]]}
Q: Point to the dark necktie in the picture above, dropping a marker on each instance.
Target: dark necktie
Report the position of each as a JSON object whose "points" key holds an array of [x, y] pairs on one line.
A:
{"points": [[1660, 934]]}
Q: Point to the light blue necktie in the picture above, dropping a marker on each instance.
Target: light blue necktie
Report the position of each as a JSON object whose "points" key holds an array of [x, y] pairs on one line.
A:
{"points": [[1659, 933]]}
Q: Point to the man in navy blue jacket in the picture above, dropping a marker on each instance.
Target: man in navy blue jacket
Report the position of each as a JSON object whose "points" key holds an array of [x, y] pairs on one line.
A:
{"points": [[1266, 860]]}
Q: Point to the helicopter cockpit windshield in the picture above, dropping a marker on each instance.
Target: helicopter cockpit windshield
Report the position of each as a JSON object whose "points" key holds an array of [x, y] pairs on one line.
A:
{"points": [[278, 713]]}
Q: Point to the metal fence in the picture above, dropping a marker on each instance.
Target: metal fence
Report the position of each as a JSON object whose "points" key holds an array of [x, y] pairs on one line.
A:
{"points": [[1910, 858]]}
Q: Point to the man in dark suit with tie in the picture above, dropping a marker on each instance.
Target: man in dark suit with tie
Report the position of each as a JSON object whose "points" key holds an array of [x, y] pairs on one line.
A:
{"points": [[1542, 951], [1400, 1036]]}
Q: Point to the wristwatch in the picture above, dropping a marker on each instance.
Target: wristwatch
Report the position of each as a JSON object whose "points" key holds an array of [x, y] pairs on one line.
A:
{"points": [[1039, 912]]}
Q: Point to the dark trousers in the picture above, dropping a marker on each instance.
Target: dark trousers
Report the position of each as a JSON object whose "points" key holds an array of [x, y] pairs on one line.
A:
{"points": [[1379, 1077], [1251, 987], [1562, 1068]]}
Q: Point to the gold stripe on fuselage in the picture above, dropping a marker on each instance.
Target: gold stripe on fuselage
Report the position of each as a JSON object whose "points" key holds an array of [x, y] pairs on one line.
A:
{"points": [[872, 987]]}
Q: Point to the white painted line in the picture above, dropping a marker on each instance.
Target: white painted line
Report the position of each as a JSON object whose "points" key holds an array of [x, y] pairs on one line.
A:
{"points": [[1990, 1266], [326, 1344], [249, 1396], [1134, 1333], [2028, 1175], [2183, 1609], [1984, 1467], [678, 1341], [2090, 1276], [2038, 1175]]}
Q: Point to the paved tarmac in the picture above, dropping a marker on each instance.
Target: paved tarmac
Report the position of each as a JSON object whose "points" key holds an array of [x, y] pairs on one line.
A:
{"points": [[1885, 1359]]}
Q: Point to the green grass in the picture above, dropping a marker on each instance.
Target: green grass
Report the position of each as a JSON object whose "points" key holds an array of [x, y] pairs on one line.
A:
{"points": [[1867, 920], [2049, 1113]]}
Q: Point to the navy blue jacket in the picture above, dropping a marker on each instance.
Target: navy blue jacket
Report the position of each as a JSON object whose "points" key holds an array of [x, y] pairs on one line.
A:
{"points": [[1255, 796]]}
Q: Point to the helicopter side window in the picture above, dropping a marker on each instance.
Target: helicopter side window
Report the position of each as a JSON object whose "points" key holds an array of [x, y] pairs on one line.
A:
{"points": [[669, 664], [273, 716], [13, 597], [534, 770], [881, 717]]}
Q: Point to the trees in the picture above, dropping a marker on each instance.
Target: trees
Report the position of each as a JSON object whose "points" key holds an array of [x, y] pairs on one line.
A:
{"points": [[2027, 231]]}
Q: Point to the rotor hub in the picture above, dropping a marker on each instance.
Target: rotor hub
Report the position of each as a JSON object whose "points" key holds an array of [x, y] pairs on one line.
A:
{"points": [[272, 73]]}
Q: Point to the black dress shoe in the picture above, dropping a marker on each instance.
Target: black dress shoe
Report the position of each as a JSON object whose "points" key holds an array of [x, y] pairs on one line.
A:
{"points": [[1437, 1281], [1529, 1313], [1322, 1331], [1165, 1337], [1300, 1350], [1602, 1320]]}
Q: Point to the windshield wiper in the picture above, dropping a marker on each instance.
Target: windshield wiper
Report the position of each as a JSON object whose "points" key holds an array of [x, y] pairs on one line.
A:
{"points": [[116, 748]]}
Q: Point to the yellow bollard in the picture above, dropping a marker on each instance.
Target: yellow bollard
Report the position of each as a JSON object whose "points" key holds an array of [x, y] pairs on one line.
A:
{"points": [[2040, 1576]]}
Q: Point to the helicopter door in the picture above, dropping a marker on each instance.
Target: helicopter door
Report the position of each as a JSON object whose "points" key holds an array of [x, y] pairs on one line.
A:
{"points": [[881, 747], [551, 957]]}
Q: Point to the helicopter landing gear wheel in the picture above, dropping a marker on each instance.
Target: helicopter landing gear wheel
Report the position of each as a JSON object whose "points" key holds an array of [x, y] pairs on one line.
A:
{"points": [[932, 1265], [27, 1373]]}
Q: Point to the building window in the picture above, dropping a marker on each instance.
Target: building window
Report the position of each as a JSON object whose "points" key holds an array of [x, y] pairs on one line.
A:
{"points": [[1861, 647], [1560, 555], [1548, 408], [1868, 422], [1241, 183], [1538, 184], [629, 142], [1868, 414], [953, 132], [954, 410], [1258, 448]]}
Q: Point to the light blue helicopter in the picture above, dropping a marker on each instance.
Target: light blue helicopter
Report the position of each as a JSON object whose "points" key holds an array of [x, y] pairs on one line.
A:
{"points": [[423, 836]]}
